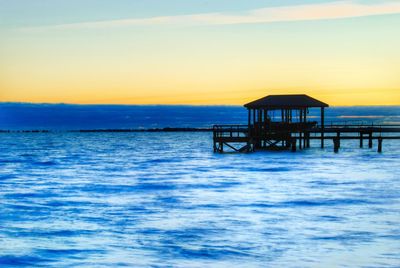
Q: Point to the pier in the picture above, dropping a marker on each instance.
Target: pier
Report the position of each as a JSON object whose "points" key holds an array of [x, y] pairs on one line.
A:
{"points": [[280, 122]]}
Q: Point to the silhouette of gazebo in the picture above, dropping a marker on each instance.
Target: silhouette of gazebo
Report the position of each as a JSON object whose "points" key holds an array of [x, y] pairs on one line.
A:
{"points": [[273, 119]]}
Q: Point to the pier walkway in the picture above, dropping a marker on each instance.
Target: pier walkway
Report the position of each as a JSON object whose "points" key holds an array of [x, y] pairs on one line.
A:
{"points": [[241, 138]]}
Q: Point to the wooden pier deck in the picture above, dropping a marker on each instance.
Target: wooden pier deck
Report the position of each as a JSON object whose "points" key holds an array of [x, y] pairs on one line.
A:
{"points": [[241, 138]]}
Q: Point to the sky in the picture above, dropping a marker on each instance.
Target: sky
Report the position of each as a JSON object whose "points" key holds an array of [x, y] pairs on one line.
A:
{"points": [[199, 51]]}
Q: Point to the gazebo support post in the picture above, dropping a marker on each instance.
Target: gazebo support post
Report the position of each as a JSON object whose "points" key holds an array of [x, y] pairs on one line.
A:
{"points": [[322, 126]]}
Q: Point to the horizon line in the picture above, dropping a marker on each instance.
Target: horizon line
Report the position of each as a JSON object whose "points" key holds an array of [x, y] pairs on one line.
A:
{"points": [[160, 104]]}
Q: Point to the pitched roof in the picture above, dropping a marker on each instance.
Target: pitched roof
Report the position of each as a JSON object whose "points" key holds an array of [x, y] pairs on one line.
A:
{"points": [[285, 101]]}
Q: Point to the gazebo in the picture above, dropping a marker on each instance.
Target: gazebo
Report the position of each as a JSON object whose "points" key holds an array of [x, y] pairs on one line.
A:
{"points": [[275, 118]]}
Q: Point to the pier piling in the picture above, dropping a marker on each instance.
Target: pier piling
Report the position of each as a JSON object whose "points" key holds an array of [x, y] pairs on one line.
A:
{"points": [[294, 145], [336, 144], [370, 140], [379, 145]]}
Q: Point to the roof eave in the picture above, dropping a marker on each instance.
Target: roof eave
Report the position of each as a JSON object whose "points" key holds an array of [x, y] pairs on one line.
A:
{"points": [[249, 106]]}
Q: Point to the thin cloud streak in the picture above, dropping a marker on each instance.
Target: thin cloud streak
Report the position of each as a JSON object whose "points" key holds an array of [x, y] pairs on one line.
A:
{"points": [[333, 10]]}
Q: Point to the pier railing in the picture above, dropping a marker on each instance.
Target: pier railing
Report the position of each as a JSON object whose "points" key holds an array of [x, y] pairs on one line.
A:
{"points": [[353, 127], [241, 131], [358, 124], [230, 131]]}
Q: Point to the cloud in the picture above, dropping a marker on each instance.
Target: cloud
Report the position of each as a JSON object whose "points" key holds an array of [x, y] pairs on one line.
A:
{"points": [[331, 10]]}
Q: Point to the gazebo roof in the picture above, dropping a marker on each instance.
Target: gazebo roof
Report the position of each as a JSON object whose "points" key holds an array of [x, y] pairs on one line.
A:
{"points": [[285, 102]]}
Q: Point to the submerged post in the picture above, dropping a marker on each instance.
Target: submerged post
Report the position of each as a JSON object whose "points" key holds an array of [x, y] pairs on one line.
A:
{"points": [[293, 144], [336, 144], [322, 126], [380, 145], [300, 133], [308, 140], [361, 139], [300, 146], [214, 139], [370, 140]]}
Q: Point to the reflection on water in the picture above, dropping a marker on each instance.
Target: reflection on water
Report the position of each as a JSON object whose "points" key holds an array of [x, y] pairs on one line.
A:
{"points": [[164, 199]]}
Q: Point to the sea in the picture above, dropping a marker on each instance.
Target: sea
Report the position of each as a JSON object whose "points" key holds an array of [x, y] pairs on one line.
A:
{"points": [[164, 199]]}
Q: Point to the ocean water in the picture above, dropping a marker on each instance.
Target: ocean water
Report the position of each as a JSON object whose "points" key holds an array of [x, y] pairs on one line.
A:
{"points": [[165, 200]]}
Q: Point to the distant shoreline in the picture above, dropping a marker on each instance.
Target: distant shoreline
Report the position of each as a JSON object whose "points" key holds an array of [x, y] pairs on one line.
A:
{"points": [[166, 129]]}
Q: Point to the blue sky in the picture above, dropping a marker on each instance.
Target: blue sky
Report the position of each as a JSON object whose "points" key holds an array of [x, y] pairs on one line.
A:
{"points": [[199, 51], [45, 12]]}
